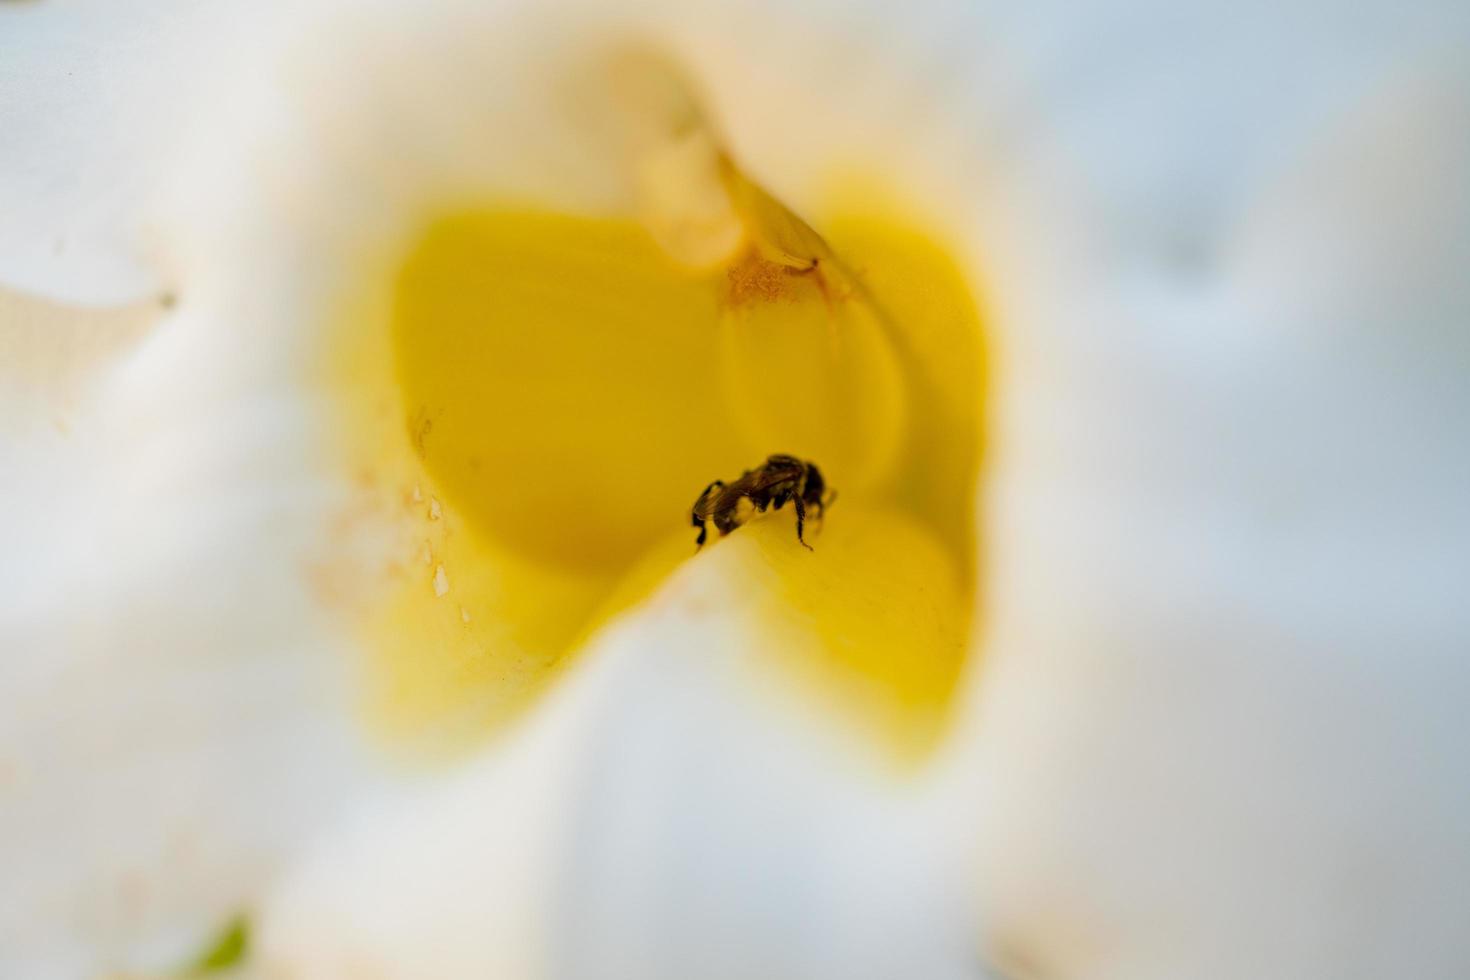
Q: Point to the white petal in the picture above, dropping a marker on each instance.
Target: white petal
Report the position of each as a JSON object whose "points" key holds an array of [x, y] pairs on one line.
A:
{"points": [[667, 815], [175, 719], [96, 101], [1222, 729]]}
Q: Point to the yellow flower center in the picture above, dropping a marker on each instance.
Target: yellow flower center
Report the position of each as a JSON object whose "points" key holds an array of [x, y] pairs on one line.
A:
{"points": [[551, 392]]}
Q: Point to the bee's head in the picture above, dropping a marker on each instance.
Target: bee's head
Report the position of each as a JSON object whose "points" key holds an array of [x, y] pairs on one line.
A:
{"points": [[783, 461]]}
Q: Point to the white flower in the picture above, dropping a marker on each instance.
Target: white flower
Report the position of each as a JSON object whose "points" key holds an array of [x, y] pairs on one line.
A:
{"points": [[1209, 722]]}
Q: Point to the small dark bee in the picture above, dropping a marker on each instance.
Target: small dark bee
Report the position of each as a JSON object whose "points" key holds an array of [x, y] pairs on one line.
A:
{"points": [[779, 479]]}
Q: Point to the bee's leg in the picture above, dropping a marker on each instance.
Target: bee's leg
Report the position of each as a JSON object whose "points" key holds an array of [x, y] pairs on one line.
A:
{"points": [[700, 512], [820, 504], [800, 520], [698, 504], [725, 521]]}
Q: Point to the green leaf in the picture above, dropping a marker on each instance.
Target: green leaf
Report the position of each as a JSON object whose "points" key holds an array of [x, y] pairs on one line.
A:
{"points": [[229, 949]]}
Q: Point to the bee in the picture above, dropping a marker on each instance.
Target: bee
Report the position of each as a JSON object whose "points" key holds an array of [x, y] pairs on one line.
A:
{"points": [[779, 479]]}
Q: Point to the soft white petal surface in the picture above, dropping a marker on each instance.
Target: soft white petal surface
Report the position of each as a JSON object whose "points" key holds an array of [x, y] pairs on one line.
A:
{"points": [[97, 99], [175, 715], [669, 813], [1223, 730]]}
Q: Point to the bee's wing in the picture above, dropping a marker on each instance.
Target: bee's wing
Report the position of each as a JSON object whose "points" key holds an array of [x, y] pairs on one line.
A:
{"points": [[769, 476]]}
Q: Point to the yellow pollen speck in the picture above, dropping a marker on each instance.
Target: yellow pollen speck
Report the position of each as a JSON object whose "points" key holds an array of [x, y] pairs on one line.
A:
{"points": [[754, 279], [441, 581]]}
